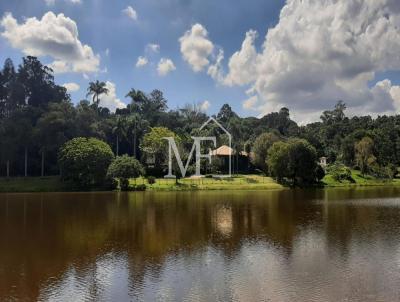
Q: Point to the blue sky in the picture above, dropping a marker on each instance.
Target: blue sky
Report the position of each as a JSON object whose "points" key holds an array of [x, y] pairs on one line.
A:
{"points": [[293, 60]]}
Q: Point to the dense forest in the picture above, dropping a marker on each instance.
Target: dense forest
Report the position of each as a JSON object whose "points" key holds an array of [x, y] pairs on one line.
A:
{"points": [[37, 117]]}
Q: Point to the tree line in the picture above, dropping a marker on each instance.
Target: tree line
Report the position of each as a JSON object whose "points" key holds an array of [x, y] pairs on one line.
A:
{"points": [[37, 117]]}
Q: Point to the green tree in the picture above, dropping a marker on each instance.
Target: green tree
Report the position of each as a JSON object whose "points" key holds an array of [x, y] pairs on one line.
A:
{"points": [[260, 149], [54, 128], [138, 99], [336, 115], [85, 161], [96, 89], [136, 126], [9, 143], [154, 145], [151, 107], [364, 154], [11, 91], [37, 83], [125, 167], [277, 160], [295, 160], [226, 113], [25, 117], [119, 130]]}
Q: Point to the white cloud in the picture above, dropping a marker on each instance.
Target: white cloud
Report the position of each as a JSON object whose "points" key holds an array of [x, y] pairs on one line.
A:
{"points": [[110, 100], [250, 103], [215, 70], [204, 105], [243, 63], [318, 53], [196, 47], [55, 36], [107, 52], [71, 87], [328, 50], [153, 47], [130, 12], [75, 1], [165, 66], [59, 67], [141, 61]]}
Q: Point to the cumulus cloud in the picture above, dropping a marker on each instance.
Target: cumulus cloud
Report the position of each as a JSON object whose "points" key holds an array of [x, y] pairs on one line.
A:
{"points": [[53, 35], [318, 53], [310, 61], [153, 47], [215, 70], [196, 47], [141, 61], [130, 12], [59, 66], [71, 87], [110, 100], [165, 66], [204, 105], [243, 62]]}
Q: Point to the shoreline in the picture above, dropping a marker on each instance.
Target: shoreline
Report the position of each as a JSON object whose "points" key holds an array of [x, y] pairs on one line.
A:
{"points": [[237, 183]]}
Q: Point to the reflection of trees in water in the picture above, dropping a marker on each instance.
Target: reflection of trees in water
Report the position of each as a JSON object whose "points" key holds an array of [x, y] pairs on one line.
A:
{"points": [[350, 214], [47, 235]]}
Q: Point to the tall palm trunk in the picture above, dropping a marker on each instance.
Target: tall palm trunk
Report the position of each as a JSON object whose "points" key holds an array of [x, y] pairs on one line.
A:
{"points": [[26, 161], [42, 172], [8, 168]]}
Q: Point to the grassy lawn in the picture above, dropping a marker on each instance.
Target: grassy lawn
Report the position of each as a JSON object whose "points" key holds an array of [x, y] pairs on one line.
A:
{"points": [[239, 182], [32, 184], [359, 180]]}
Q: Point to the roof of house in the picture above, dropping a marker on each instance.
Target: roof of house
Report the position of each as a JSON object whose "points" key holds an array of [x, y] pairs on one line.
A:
{"points": [[226, 151], [223, 151]]}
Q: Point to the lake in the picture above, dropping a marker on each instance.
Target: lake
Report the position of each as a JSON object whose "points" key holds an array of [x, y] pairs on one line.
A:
{"points": [[284, 245]]}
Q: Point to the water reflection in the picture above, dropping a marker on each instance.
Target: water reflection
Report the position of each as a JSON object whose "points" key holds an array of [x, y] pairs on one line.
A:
{"points": [[290, 245]]}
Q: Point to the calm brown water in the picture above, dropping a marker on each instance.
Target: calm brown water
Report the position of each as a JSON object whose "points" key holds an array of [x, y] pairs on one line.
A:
{"points": [[324, 245]]}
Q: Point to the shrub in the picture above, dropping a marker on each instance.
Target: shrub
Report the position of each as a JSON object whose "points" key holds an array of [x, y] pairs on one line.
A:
{"points": [[84, 161], [151, 180], [141, 187], [381, 172], [340, 172], [125, 167]]}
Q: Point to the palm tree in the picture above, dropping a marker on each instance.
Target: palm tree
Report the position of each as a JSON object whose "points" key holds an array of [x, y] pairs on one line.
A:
{"points": [[119, 130], [96, 89], [135, 127], [138, 99]]}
